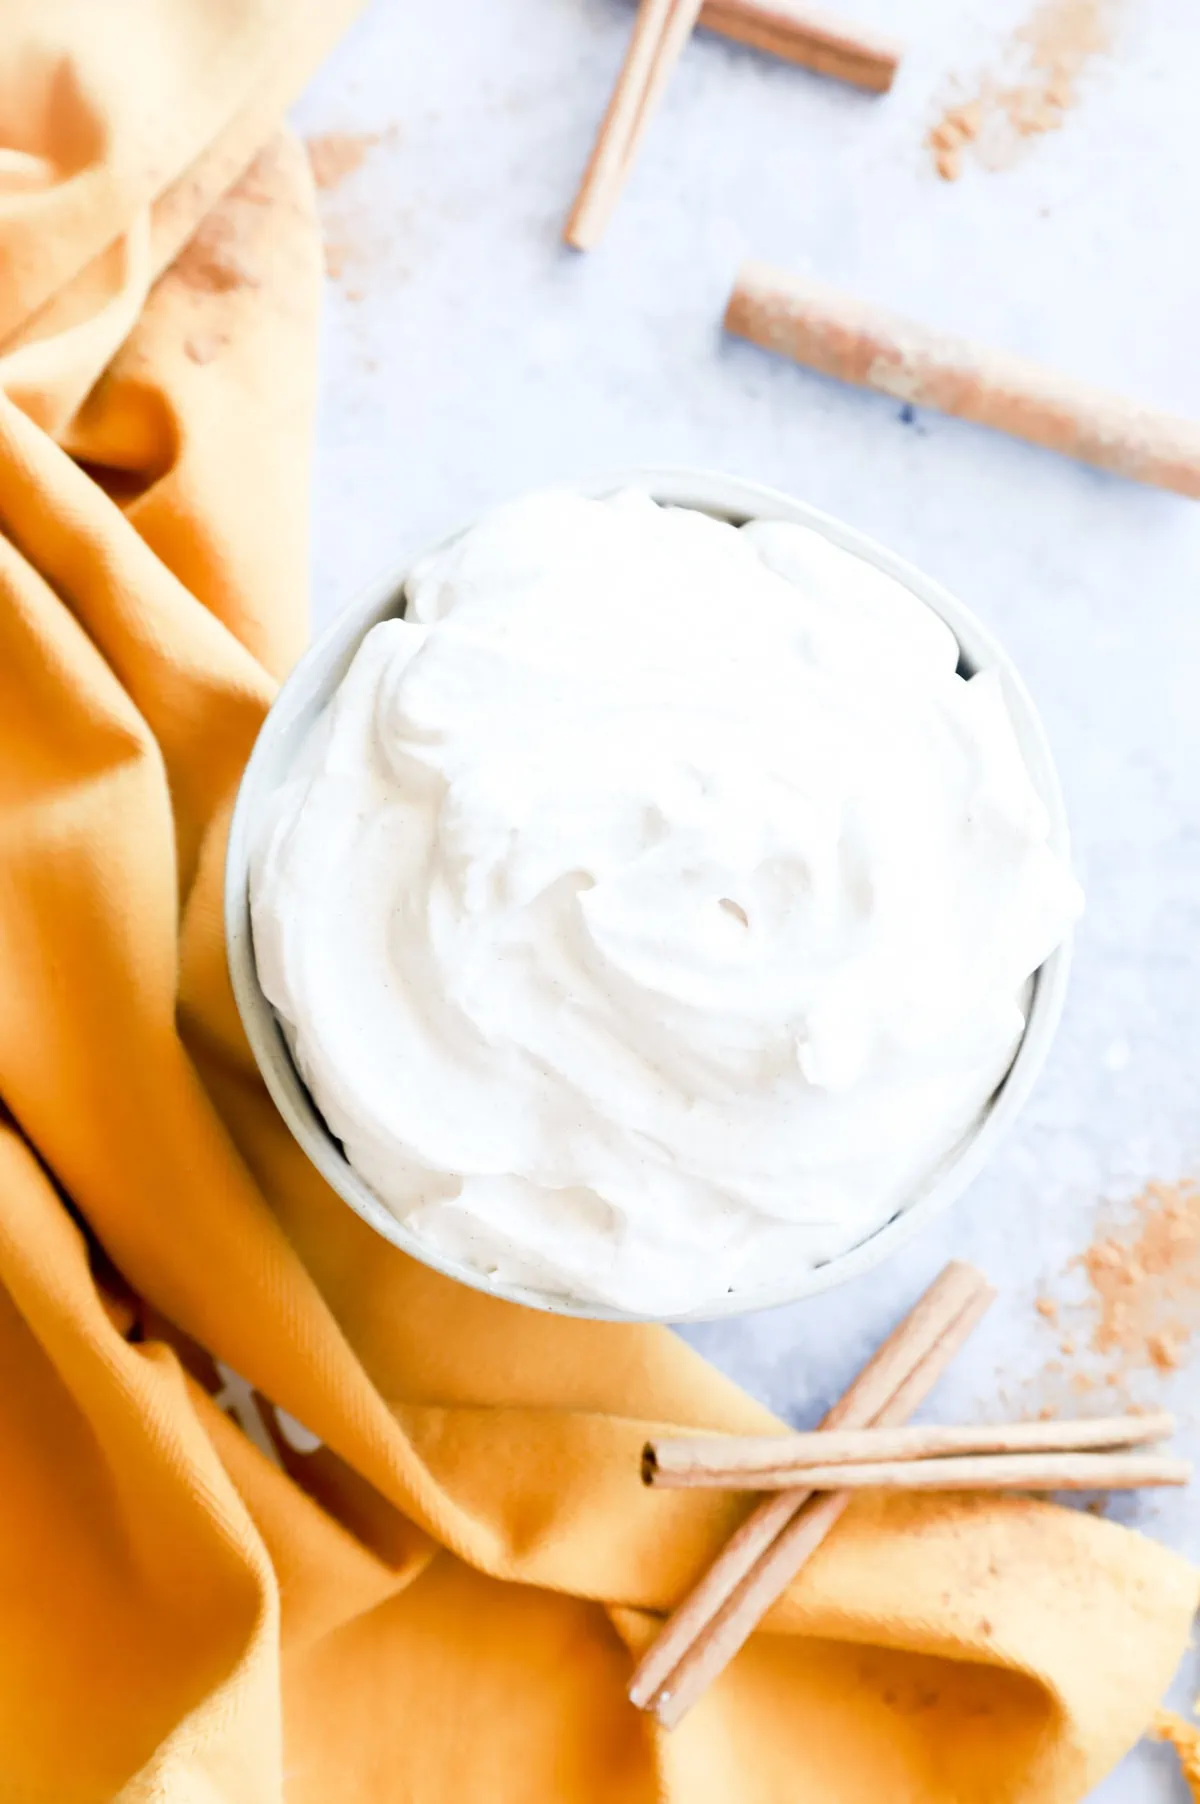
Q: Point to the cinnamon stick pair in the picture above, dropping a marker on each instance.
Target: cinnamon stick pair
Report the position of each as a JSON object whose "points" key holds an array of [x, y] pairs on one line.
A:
{"points": [[660, 31], [716, 1618]]}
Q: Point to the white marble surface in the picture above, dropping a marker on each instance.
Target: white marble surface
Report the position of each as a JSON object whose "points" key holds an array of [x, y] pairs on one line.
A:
{"points": [[468, 356]]}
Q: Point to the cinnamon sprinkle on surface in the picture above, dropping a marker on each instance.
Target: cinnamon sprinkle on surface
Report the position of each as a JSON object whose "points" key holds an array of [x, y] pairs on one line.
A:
{"points": [[335, 155], [1145, 1281], [1038, 85], [1138, 1316], [351, 238]]}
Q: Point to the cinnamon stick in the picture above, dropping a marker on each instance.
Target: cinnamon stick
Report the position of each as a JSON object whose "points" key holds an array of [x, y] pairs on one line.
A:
{"points": [[733, 1624], [812, 39], [848, 338], [772, 1462], [1116, 1471], [890, 1386], [660, 31]]}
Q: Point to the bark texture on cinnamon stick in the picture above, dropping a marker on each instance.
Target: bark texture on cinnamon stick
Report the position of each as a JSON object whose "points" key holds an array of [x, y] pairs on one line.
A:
{"points": [[755, 1461], [814, 40], [843, 336], [1118, 1471], [706, 1629]]}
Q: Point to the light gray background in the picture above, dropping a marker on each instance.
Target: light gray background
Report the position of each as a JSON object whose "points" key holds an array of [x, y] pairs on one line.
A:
{"points": [[467, 356]]}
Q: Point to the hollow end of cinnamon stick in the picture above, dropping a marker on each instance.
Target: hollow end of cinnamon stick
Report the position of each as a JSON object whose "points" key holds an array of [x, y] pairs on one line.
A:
{"points": [[649, 1463]]}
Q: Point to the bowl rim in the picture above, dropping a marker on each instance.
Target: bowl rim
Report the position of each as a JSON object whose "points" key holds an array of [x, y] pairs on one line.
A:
{"points": [[307, 689]]}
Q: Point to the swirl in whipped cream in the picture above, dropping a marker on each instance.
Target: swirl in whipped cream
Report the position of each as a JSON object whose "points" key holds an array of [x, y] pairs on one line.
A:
{"points": [[654, 907]]}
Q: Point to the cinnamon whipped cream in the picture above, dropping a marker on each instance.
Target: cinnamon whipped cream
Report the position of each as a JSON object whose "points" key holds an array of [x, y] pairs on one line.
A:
{"points": [[654, 905]]}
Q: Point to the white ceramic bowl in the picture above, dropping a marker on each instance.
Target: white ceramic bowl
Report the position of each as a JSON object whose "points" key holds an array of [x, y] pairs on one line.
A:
{"points": [[310, 687]]}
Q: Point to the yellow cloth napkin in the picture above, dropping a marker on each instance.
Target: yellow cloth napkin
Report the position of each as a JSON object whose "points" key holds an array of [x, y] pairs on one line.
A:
{"points": [[417, 1572]]}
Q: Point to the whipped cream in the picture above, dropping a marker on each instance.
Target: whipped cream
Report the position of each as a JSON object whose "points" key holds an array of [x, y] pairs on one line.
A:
{"points": [[653, 909]]}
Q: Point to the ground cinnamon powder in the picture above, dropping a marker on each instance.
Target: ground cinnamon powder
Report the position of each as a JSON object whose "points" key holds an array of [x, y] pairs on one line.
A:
{"points": [[1139, 1312], [349, 237], [1032, 93], [1145, 1281], [335, 155], [1144, 1295]]}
